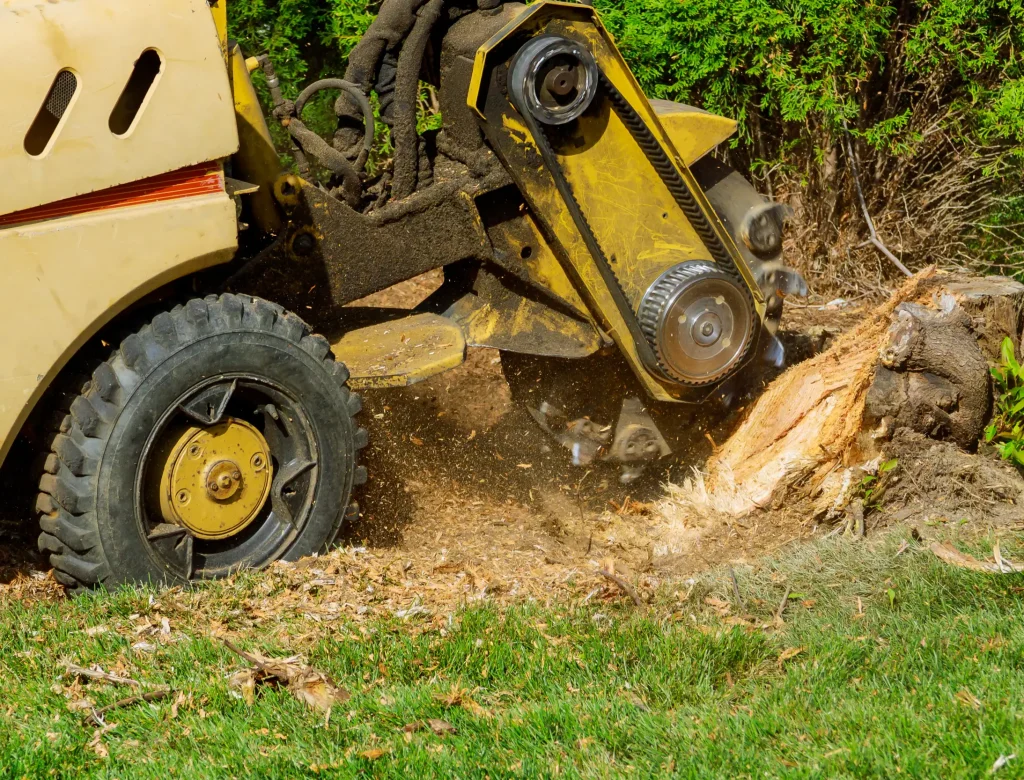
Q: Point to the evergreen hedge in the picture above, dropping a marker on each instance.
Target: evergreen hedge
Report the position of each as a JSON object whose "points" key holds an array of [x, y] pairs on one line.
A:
{"points": [[932, 91]]}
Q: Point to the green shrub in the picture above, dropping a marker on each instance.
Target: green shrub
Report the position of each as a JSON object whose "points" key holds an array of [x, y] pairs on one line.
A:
{"points": [[932, 91], [1007, 427]]}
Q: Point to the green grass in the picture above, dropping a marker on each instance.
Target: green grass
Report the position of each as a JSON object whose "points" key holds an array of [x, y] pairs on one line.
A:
{"points": [[928, 681]]}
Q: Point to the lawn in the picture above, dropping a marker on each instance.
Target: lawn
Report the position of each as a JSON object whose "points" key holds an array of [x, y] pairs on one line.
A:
{"points": [[886, 662]]}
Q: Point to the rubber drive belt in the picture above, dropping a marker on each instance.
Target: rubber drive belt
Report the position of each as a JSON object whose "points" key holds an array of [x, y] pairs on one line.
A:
{"points": [[677, 188]]}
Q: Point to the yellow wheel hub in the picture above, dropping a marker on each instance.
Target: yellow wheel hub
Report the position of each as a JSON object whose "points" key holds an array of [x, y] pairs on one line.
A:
{"points": [[217, 479]]}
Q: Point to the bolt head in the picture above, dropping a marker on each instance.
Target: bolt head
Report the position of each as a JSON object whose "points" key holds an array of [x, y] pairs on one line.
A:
{"points": [[303, 244]]}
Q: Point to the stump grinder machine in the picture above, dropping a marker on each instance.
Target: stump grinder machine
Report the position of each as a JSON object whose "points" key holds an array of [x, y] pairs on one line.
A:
{"points": [[167, 277]]}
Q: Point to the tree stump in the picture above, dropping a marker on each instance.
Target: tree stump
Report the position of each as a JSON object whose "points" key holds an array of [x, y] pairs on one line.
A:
{"points": [[921, 361], [931, 377]]}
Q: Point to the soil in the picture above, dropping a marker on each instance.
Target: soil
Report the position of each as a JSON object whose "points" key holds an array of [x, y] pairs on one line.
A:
{"points": [[468, 498]]}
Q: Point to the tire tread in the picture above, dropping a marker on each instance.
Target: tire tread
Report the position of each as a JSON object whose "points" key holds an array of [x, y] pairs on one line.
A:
{"points": [[69, 527]]}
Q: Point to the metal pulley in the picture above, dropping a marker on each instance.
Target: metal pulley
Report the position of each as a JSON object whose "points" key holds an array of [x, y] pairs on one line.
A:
{"points": [[553, 79], [699, 321]]}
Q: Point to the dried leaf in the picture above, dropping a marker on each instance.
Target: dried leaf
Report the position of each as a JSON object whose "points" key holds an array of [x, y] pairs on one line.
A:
{"points": [[373, 754], [315, 690], [96, 743], [473, 707], [723, 608], [1001, 762], [736, 620], [243, 681], [96, 672], [968, 699], [790, 652], [441, 727], [311, 687], [180, 699], [946, 552], [455, 696]]}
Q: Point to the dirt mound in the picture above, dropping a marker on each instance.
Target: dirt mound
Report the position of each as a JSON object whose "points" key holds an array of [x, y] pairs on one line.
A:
{"points": [[935, 481]]}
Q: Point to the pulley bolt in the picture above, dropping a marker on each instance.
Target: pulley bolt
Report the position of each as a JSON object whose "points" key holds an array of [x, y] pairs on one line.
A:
{"points": [[195, 451], [182, 496], [707, 329], [303, 244], [257, 461]]}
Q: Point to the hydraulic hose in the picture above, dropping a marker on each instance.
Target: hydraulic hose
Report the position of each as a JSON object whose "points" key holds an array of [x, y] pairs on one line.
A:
{"points": [[407, 88], [357, 95]]}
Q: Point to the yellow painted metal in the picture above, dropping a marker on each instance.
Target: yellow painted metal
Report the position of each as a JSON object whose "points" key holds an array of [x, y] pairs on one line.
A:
{"points": [[693, 131], [634, 217], [401, 352], [523, 239], [217, 479], [256, 160], [68, 277], [185, 118], [512, 321], [287, 187], [219, 9]]}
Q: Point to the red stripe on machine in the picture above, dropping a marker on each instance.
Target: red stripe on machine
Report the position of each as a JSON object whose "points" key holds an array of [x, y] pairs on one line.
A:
{"points": [[202, 179]]}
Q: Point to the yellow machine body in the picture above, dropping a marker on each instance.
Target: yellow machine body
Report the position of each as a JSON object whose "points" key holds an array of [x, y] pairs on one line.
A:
{"points": [[630, 210], [93, 219]]}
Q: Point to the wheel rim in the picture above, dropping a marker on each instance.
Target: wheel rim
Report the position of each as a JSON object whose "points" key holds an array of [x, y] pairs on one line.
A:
{"points": [[216, 479], [245, 450]]}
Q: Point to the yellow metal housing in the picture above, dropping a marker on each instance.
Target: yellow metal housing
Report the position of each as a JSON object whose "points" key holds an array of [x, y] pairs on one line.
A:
{"points": [[72, 265], [693, 131], [633, 216], [186, 116], [401, 352], [256, 160]]}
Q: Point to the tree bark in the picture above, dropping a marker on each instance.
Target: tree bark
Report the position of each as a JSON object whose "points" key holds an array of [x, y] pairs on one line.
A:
{"points": [[932, 377]]}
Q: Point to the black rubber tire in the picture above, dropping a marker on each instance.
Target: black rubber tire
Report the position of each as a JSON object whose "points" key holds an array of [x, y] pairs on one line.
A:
{"points": [[91, 524]]}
